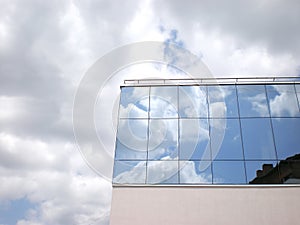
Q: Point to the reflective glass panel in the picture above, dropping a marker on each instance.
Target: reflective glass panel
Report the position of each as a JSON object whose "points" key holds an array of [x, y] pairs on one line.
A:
{"points": [[162, 172], [283, 101], [262, 172], [229, 172], [226, 139], [129, 172], [163, 102], [132, 138], [194, 139], [191, 172], [297, 87], [258, 139], [163, 139], [192, 102], [252, 101], [287, 136], [222, 101], [134, 102]]}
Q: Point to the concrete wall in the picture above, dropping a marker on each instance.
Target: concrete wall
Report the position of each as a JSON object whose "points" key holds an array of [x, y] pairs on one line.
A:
{"points": [[206, 205]]}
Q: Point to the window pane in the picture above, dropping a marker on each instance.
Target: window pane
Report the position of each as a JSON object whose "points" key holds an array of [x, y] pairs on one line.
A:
{"points": [[258, 139], [252, 101], [222, 101], [163, 102], [163, 139], [131, 140], [287, 133], [262, 172], [230, 146], [192, 102], [129, 172], [283, 101], [229, 172], [134, 102], [194, 139], [191, 173], [162, 172], [297, 86]]}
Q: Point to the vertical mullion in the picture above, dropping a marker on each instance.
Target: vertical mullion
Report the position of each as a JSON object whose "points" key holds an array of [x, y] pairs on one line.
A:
{"points": [[241, 131]]}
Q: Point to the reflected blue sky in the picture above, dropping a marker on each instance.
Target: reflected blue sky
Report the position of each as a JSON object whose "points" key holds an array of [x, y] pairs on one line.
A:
{"points": [[283, 101], [287, 133], [193, 102], [252, 101], [210, 134]]}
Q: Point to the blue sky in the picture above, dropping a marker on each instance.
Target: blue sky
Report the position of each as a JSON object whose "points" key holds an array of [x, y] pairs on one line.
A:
{"points": [[45, 49]]}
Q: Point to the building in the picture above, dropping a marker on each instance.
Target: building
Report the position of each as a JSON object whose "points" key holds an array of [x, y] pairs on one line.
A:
{"points": [[208, 151]]}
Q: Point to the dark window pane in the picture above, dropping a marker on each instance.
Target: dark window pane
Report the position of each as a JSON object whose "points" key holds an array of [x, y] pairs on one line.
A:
{"points": [[222, 101], [282, 100], [129, 172], [134, 102], [192, 102], [229, 172], [194, 139], [287, 136], [162, 172], [252, 101], [262, 172], [226, 139], [191, 172], [258, 139], [131, 140], [163, 139], [163, 102]]}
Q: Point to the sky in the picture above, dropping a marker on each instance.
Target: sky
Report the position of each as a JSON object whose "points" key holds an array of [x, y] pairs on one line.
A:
{"points": [[46, 47]]}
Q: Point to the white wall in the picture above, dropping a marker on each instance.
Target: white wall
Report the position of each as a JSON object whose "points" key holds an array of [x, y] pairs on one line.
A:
{"points": [[206, 205]]}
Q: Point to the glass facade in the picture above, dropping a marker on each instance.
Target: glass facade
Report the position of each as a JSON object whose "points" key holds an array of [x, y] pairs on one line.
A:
{"points": [[208, 134]]}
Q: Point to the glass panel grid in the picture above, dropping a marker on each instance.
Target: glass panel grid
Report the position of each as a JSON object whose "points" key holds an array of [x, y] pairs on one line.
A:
{"points": [[228, 134]]}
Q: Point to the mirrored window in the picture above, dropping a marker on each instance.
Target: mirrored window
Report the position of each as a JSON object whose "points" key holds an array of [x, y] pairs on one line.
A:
{"points": [[226, 139], [229, 172], [297, 87], [163, 102], [252, 101], [283, 101], [192, 172], [162, 172], [193, 102], [222, 101], [132, 139], [262, 172], [194, 139], [287, 136], [134, 102], [258, 139], [163, 139], [129, 172]]}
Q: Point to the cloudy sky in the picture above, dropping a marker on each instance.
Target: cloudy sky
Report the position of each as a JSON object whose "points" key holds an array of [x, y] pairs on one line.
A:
{"points": [[47, 46]]}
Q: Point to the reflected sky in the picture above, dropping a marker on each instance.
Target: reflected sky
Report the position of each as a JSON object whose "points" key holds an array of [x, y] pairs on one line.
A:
{"points": [[258, 139], [283, 101], [163, 102], [134, 102], [222, 101], [253, 166], [252, 101], [190, 173], [193, 102], [204, 134], [287, 133], [229, 172], [129, 172], [163, 139]]}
